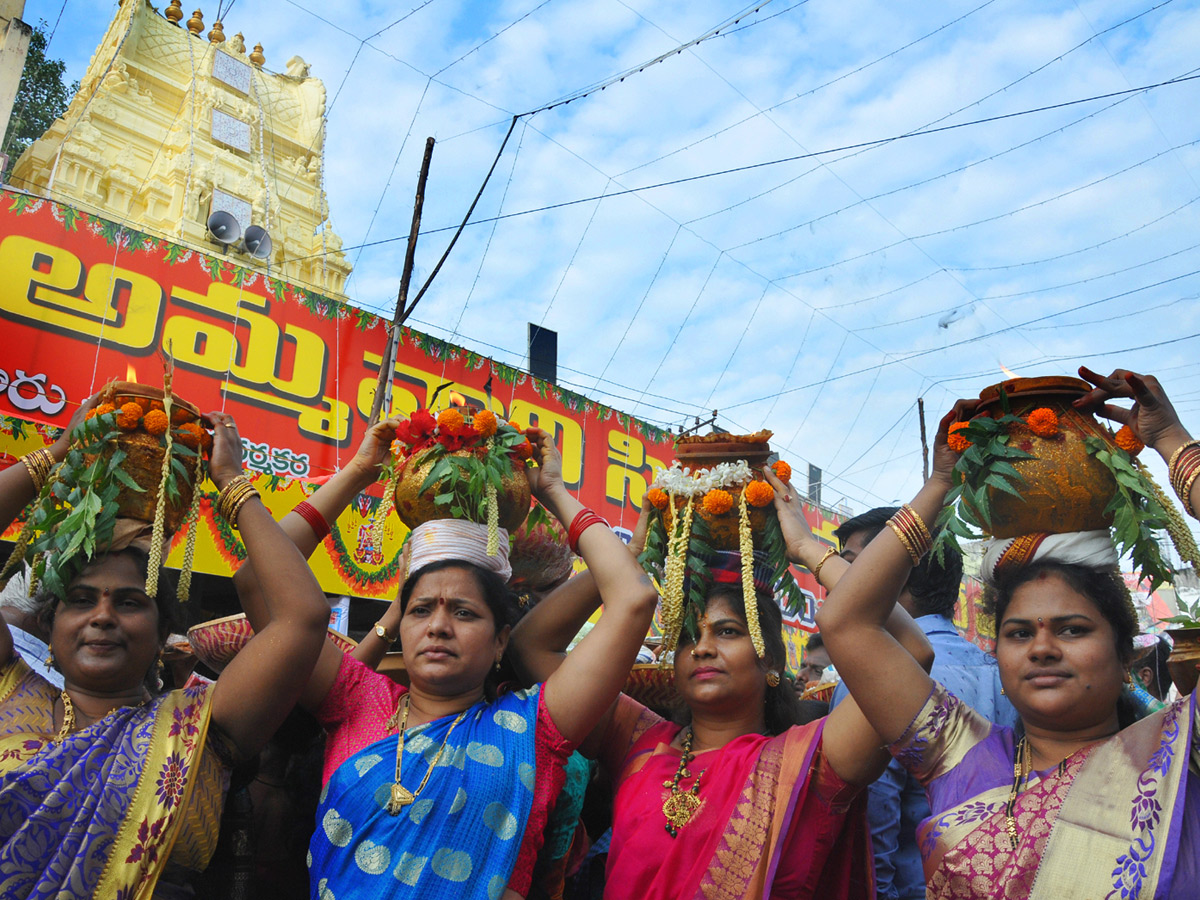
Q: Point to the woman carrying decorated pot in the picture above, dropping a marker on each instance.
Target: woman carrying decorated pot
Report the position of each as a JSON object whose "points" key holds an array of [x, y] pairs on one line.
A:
{"points": [[445, 787], [1079, 800], [107, 783], [744, 801]]}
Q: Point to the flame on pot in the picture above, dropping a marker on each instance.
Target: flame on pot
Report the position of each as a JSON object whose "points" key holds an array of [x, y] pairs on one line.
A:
{"points": [[457, 399], [1007, 371], [130, 373]]}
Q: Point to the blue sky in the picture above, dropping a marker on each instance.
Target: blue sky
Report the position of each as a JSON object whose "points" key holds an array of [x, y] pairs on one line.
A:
{"points": [[803, 296]]}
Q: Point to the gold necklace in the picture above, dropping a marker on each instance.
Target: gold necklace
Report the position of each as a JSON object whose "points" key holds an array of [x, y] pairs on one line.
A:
{"points": [[680, 806], [402, 796], [68, 722], [1022, 766]]}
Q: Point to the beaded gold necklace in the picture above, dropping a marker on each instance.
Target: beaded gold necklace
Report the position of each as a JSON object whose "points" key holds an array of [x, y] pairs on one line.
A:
{"points": [[1022, 766], [402, 796], [680, 805]]}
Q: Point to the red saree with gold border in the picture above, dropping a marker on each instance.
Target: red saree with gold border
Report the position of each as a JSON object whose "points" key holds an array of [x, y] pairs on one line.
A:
{"points": [[775, 821]]}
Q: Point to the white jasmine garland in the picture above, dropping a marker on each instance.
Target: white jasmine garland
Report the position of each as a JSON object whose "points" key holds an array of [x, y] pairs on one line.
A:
{"points": [[683, 482]]}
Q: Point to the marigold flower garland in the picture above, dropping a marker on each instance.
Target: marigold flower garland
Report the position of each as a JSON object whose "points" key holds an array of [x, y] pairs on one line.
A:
{"points": [[746, 542]]}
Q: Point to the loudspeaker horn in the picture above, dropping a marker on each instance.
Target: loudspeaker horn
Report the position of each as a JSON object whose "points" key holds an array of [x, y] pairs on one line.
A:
{"points": [[224, 227], [257, 242]]}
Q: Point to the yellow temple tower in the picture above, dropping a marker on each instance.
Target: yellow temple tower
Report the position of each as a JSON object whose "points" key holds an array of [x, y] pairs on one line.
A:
{"points": [[171, 126]]}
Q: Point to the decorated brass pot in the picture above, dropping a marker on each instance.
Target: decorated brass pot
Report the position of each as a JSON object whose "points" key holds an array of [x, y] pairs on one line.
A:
{"points": [[1184, 661], [144, 457], [1065, 488], [697, 452], [415, 507], [723, 530]]}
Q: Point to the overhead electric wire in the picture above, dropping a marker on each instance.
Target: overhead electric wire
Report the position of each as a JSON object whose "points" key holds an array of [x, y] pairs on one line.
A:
{"points": [[811, 91], [784, 160], [920, 353]]}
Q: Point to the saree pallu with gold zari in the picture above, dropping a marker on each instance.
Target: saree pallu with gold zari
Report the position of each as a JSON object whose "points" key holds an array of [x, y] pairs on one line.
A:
{"points": [[100, 813], [1120, 820], [775, 821]]}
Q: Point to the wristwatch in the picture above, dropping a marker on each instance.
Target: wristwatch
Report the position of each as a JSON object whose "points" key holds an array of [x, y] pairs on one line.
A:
{"points": [[383, 633]]}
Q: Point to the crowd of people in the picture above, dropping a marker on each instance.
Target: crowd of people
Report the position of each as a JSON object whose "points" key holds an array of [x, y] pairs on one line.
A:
{"points": [[512, 767]]}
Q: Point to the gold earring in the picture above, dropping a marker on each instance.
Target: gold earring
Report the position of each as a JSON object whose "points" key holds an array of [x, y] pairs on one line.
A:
{"points": [[772, 678], [49, 657], [1002, 693], [497, 665]]}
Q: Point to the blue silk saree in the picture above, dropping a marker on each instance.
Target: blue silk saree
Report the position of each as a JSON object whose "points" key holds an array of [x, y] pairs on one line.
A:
{"points": [[461, 835]]}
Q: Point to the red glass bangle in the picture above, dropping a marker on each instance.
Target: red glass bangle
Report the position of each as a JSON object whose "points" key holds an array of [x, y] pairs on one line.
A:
{"points": [[313, 517], [583, 520]]}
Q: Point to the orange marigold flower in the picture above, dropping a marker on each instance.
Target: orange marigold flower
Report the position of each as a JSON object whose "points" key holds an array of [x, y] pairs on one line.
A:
{"points": [[485, 422], [1043, 422], [189, 434], [955, 441], [180, 414], [206, 439], [129, 416], [103, 409], [450, 418], [156, 404], [1128, 441], [717, 502], [658, 498], [759, 493], [783, 471], [155, 422]]}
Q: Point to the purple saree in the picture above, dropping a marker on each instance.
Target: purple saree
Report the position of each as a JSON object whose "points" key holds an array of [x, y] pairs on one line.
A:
{"points": [[1121, 820]]}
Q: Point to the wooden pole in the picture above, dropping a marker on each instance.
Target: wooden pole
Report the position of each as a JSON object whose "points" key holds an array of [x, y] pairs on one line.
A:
{"points": [[383, 389], [924, 442]]}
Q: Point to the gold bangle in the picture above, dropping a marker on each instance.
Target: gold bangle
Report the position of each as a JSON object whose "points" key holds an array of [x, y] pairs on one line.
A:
{"points": [[816, 570], [904, 539], [1185, 462], [233, 497], [1185, 497], [241, 501], [39, 463], [1178, 451], [922, 528]]}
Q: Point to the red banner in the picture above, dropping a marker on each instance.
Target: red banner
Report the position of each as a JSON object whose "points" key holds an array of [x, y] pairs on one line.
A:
{"points": [[85, 300]]}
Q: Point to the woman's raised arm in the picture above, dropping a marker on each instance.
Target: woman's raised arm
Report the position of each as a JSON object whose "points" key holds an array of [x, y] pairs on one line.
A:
{"points": [[851, 745], [888, 683], [257, 690], [327, 502], [540, 640], [583, 688]]}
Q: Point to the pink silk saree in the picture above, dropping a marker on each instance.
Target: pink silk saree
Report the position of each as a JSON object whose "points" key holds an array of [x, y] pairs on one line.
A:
{"points": [[775, 820]]}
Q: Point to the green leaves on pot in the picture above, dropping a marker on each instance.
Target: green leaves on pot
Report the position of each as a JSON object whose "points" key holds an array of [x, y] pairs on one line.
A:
{"points": [[986, 465], [1136, 512]]}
